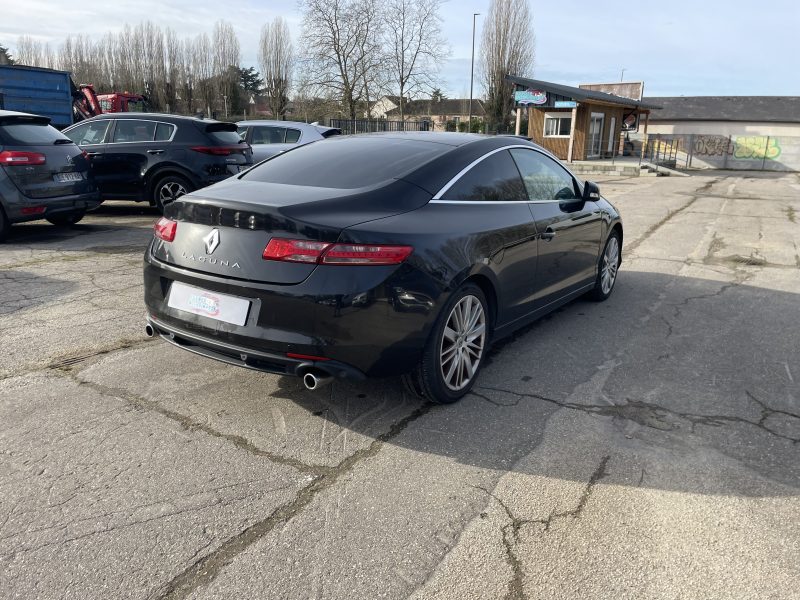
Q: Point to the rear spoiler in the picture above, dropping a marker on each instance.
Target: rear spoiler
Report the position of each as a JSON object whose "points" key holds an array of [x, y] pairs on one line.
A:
{"points": [[329, 131], [213, 126], [31, 119]]}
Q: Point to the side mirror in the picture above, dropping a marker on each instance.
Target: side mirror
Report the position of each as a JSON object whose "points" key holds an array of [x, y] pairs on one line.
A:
{"points": [[591, 191]]}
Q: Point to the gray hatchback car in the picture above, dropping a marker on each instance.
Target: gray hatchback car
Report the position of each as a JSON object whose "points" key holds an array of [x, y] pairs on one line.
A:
{"points": [[43, 174], [268, 138]]}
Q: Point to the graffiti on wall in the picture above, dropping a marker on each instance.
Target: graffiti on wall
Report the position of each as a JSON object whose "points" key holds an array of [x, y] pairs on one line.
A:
{"points": [[712, 145], [756, 147]]}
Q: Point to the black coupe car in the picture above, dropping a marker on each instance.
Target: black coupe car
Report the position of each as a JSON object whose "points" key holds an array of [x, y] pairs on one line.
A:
{"points": [[379, 255]]}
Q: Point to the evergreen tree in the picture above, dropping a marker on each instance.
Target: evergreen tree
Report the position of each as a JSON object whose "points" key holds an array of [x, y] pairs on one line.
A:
{"points": [[5, 56]]}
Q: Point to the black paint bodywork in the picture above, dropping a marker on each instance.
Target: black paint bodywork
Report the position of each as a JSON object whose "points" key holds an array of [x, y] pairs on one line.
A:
{"points": [[369, 320], [130, 170]]}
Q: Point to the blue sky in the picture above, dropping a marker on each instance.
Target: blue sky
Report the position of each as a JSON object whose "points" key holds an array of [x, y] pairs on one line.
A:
{"points": [[678, 47]]}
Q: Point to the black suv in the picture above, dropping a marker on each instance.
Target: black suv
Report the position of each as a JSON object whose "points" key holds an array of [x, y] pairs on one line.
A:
{"points": [[157, 158], [43, 175]]}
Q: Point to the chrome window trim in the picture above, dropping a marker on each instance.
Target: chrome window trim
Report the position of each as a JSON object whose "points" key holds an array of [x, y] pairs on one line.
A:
{"points": [[171, 137], [438, 197], [494, 201]]}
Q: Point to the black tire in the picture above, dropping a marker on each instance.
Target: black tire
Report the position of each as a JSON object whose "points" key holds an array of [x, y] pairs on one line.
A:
{"points": [[67, 220], [429, 379], [5, 225], [168, 189], [602, 290]]}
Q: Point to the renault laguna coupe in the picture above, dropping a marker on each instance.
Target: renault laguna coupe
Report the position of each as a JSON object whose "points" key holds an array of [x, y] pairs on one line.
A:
{"points": [[379, 255]]}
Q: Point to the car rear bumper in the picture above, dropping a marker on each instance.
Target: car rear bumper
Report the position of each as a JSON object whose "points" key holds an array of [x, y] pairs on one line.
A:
{"points": [[19, 209], [359, 319]]}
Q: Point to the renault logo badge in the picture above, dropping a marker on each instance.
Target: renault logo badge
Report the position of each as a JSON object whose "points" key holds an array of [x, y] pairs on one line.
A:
{"points": [[212, 241]]}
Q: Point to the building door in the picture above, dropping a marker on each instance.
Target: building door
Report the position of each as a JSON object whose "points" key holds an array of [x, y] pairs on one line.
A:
{"points": [[595, 135], [612, 128]]}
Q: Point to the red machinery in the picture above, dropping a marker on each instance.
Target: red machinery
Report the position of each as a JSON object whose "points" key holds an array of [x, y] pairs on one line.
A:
{"points": [[86, 103]]}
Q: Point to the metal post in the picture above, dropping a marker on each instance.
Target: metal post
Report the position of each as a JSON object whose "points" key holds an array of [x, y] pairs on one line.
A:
{"points": [[764, 160], [571, 146], [472, 70]]}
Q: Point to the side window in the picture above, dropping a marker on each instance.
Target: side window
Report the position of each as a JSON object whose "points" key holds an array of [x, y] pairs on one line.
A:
{"points": [[544, 178], [89, 133], [269, 135], [131, 130], [242, 131], [164, 132], [493, 179], [292, 136]]}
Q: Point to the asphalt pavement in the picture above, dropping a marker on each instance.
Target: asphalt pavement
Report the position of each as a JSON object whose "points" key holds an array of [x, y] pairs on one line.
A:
{"points": [[645, 447]]}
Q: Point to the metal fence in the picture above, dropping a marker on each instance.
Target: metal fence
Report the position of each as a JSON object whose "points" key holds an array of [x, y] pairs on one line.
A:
{"points": [[349, 126], [710, 151]]}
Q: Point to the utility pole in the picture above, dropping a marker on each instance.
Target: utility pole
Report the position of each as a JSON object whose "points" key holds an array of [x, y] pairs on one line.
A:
{"points": [[471, 72], [225, 100], [621, 75]]}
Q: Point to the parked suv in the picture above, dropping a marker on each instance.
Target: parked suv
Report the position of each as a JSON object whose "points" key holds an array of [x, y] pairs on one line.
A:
{"points": [[268, 138], [157, 158], [43, 175]]}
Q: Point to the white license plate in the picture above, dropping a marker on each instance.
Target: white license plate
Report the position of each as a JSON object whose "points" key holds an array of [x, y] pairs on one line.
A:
{"points": [[220, 307], [67, 177]]}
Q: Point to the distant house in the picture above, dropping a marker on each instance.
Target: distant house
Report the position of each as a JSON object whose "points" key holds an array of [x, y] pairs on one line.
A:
{"points": [[439, 112], [726, 115], [385, 104]]}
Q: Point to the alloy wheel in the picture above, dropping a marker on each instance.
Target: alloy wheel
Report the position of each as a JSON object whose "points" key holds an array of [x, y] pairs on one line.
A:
{"points": [[462, 343], [608, 273], [170, 191]]}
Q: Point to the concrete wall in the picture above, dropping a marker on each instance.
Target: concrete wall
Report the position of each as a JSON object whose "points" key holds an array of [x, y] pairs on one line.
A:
{"points": [[741, 152], [725, 128]]}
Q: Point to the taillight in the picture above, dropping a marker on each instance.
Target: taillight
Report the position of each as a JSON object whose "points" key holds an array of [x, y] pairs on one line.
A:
{"points": [[218, 150], [350, 254], [165, 229], [305, 251], [25, 159], [294, 250]]}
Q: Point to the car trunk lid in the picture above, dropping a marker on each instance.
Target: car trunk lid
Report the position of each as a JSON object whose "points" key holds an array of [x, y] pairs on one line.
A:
{"points": [[246, 215]]}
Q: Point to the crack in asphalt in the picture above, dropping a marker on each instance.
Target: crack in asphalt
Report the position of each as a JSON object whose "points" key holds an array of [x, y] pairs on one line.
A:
{"points": [[632, 246], [141, 403], [511, 530], [70, 361], [653, 416], [205, 570]]}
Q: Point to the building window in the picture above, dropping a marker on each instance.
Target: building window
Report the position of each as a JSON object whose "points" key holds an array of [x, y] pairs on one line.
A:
{"points": [[557, 124], [456, 120]]}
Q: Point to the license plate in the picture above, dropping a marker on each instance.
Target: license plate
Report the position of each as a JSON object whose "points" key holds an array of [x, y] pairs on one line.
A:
{"points": [[67, 177], [220, 307]]}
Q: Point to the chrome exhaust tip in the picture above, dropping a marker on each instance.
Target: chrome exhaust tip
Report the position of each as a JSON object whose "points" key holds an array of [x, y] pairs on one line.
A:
{"points": [[149, 331], [314, 381]]}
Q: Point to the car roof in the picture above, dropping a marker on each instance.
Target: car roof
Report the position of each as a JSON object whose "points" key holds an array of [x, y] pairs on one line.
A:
{"points": [[273, 123], [28, 117], [159, 116]]}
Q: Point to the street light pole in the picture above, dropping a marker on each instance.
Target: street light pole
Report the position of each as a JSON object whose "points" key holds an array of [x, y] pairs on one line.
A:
{"points": [[471, 72], [621, 75]]}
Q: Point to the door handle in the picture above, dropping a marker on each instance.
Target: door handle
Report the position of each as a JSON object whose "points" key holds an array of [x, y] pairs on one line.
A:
{"points": [[155, 152], [548, 234], [92, 154]]}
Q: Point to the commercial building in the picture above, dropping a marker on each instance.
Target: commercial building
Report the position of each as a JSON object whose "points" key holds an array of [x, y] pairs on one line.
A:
{"points": [[579, 123]]}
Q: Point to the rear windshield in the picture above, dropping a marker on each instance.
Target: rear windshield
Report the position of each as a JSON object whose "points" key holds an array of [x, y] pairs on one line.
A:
{"points": [[30, 134], [347, 162], [225, 137]]}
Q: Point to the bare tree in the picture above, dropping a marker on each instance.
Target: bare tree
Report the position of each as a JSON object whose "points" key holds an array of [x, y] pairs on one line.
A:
{"points": [[276, 59], [414, 44], [342, 40], [507, 48], [226, 62]]}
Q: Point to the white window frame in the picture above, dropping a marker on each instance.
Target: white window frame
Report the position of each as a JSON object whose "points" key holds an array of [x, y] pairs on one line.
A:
{"points": [[557, 116]]}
